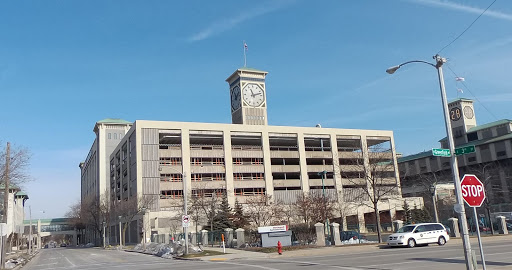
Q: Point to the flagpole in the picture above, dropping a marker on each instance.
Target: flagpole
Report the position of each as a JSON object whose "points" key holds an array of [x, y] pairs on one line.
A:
{"points": [[245, 57]]}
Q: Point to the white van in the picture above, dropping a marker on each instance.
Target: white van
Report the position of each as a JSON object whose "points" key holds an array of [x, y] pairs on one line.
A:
{"points": [[419, 234]]}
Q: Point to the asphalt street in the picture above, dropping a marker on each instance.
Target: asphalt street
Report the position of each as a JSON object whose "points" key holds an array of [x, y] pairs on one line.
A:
{"points": [[498, 254]]}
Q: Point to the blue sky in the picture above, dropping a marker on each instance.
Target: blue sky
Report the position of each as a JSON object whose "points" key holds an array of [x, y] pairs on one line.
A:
{"points": [[66, 64]]}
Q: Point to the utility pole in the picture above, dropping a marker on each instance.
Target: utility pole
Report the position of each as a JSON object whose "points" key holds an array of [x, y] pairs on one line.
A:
{"points": [[30, 230], [6, 202]]}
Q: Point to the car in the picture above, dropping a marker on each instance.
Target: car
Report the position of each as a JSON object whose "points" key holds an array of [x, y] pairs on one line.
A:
{"points": [[419, 234], [63, 245]]}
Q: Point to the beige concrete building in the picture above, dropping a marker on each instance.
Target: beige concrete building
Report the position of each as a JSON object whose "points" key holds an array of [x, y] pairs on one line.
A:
{"points": [[491, 161], [244, 159]]}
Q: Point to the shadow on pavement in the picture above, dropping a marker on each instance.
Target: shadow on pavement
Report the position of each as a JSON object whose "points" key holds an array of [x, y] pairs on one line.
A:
{"points": [[460, 261]]}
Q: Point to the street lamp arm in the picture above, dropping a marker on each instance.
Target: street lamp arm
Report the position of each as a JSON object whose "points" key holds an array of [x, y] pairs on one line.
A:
{"points": [[392, 70]]}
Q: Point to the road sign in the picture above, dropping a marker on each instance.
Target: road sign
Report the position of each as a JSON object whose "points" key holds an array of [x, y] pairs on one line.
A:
{"points": [[464, 150], [439, 152], [472, 190], [185, 221]]}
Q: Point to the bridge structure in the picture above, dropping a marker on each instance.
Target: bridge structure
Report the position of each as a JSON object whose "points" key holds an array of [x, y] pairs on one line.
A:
{"points": [[44, 229]]}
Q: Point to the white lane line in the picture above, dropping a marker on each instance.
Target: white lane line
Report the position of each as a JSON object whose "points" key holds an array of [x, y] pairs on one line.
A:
{"points": [[433, 261], [248, 265], [319, 264]]}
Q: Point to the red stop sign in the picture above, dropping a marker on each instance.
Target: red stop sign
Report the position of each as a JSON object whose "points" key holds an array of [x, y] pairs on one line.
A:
{"points": [[472, 190]]}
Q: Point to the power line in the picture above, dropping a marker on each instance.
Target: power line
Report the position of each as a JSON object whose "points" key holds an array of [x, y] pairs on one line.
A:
{"points": [[467, 88], [467, 28]]}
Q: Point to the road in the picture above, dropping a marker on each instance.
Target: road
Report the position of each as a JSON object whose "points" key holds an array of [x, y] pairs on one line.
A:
{"points": [[498, 254]]}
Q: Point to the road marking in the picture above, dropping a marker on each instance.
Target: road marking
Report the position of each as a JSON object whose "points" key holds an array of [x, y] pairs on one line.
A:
{"points": [[218, 259], [250, 265], [321, 264]]}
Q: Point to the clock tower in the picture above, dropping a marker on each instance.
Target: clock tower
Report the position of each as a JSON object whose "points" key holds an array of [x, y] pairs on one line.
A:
{"points": [[248, 96], [462, 117]]}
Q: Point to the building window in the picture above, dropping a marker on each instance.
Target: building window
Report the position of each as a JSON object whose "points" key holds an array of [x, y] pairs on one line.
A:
{"points": [[109, 136], [249, 191], [471, 159], [170, 161], [501, 153], [115, 136], [472, 136], [171, 194]]}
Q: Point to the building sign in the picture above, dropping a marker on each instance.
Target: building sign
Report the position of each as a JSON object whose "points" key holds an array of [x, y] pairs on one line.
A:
{"points": [[270, 229]]}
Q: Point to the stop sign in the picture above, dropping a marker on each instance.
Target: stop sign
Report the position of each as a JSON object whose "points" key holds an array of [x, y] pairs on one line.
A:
{"points": [[472, 190]]}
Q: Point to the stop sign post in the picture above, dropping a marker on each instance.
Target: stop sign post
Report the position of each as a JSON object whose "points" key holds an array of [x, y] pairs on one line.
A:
{"points": [[473, 193]]}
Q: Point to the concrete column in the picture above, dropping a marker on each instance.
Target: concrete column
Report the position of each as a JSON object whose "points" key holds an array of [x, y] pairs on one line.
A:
{"points": [[228, 161], [240, 237], [336, 233], [228, 237], [269, 180], [320, 234], [74, 239], [362, 224], [204, 237], [502, 225], [185, 158], [397, 224], [392, 212], [304, 179], [38, 234], [454, 227], [336, 166]]}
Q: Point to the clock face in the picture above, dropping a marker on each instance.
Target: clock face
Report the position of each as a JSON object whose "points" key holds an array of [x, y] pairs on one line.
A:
{"points": [[455, 114], [468, 112], [253, 95], [235, 98]]}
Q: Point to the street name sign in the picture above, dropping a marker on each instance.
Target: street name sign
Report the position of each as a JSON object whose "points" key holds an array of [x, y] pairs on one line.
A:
{"points": [[472, 190], [439, 152], [464, 150], [185, 221]]}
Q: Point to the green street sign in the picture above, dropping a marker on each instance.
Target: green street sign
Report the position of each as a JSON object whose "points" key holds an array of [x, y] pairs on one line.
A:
{"points": [[464, 150], [439, 152]]}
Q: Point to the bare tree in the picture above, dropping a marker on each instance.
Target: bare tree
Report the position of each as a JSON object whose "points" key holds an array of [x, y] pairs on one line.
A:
{"points": [[18, 164], [314, 208], [261, 211], [91, 213], [75, 214], [378, 179], [130, 209], [489, 173], [196, 210]]}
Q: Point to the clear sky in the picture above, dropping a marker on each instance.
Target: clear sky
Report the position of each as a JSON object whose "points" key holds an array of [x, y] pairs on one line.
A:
{"points": [[66, 64]]}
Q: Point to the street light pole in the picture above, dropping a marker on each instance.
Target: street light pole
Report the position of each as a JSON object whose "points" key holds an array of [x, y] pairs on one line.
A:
{"points": [[455, 168]]}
